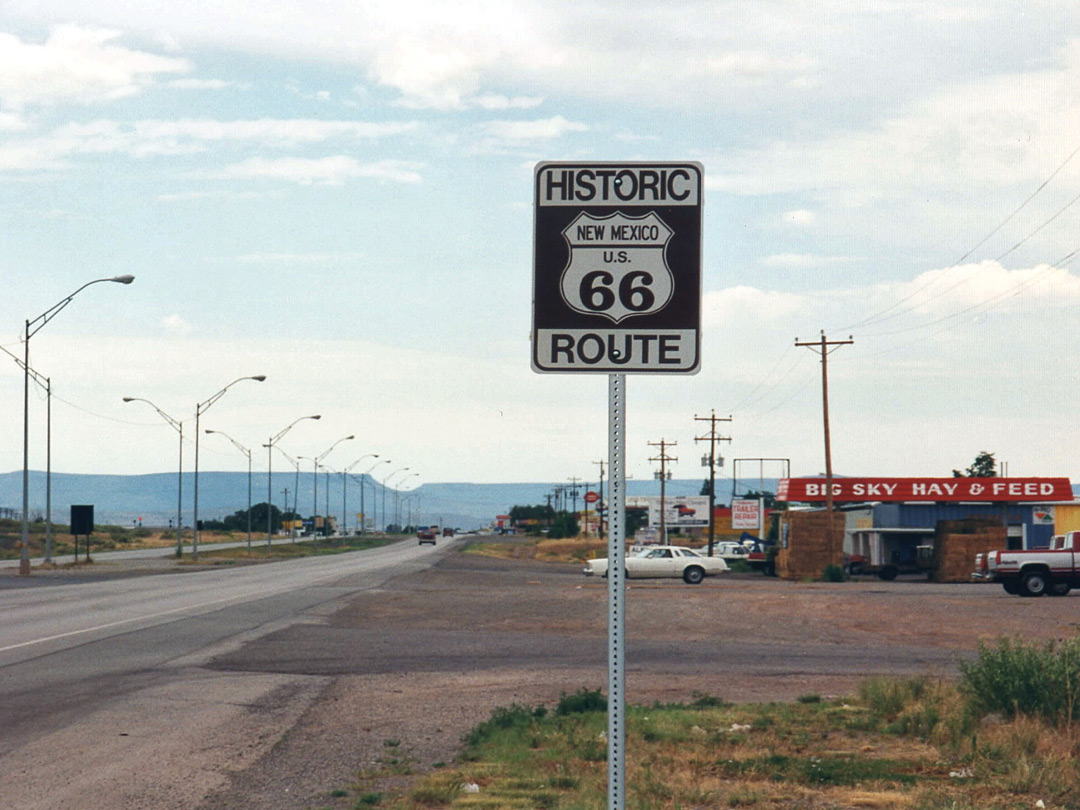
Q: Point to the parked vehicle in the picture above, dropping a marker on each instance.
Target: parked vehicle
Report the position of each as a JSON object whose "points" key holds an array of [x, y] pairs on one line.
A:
{"points": [[762, 557], [892, 559], [663, 561], [727, 549], [1049, 571]]}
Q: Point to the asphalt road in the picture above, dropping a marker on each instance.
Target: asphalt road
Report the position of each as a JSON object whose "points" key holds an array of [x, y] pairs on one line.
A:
{"points": [[263, 687], [88, 668]]}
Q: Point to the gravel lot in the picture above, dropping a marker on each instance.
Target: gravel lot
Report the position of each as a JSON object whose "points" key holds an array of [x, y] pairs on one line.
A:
{"points": [[402, 672]]}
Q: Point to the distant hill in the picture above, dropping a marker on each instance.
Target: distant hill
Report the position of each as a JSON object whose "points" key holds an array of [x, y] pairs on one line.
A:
{"points": [[124, 499]]}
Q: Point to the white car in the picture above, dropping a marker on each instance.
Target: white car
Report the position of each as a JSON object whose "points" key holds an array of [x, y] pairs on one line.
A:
{"points": [[663, 561]]}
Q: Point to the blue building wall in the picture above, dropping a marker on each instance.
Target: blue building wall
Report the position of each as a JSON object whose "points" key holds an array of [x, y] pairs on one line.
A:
{"points": [[927, 515]]}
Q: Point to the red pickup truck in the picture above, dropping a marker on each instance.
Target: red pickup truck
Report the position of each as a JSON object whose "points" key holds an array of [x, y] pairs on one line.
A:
{"points": [[1051, 571]]}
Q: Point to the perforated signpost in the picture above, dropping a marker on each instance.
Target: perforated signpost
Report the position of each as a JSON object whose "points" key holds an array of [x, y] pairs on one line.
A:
{"points": [[617, 291]]}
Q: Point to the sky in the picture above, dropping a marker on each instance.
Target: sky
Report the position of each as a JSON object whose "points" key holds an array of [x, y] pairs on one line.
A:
{"points": [[338, 195]]}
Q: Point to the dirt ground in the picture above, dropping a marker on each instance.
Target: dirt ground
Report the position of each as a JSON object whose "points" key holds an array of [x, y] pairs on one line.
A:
{"points": [[408, 668]]}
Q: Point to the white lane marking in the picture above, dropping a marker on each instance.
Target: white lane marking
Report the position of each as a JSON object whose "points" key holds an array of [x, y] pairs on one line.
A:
{"points": [[132, 619]]}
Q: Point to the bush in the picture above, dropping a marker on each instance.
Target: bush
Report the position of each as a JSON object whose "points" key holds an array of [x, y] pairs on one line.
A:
{"points": [[1025, 678], [582, 701], [833, 573], [504, 717]]}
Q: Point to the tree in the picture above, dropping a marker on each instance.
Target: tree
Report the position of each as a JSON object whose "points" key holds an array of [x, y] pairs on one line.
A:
{"points": [[705, 488], [768, 497], [258, 518], [984, 466]]}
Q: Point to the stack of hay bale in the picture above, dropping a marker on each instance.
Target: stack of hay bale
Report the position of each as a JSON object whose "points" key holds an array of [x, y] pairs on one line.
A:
{"points": [[810, 546], [956, 542]]}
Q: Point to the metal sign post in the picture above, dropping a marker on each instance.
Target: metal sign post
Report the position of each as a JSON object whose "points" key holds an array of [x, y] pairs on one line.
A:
{"points": [[616, 591], [617, 290]]}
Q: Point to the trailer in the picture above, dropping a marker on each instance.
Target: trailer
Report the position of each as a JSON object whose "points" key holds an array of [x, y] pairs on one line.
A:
{"points": [[891, 552]]}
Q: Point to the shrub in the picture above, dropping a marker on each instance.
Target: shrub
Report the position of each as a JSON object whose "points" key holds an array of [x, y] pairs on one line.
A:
{"points": [[833, 573], [1017, 677], [504, 717], [582, 701]]}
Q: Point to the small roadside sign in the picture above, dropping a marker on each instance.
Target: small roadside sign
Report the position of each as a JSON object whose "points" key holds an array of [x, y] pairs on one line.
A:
{"points": [[592, 497], [745, 513], [617, 268]]}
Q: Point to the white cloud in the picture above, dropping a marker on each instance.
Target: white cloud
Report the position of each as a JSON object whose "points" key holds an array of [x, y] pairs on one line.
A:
{"points": [[544, 129], [297, 258], [176, 325], [78, 65], [805, 261], [184, 136], [996, 132], [332, 171], [218, 194], [800, 218], [988, 286], [496, 102], [201, 84]]}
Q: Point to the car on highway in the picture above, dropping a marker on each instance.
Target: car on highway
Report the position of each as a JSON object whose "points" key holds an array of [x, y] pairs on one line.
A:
{"points": [[425, 536], [663, 562]]}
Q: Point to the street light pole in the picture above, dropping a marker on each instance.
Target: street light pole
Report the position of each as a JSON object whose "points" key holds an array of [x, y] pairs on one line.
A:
{"points": [[397, 492], [179, 428], [32, 328], [296, 487], [391, 475], [247, 452], [366, 475], [46, 384], [318, 460], [270, 475], [200, 409], [345, 472]]}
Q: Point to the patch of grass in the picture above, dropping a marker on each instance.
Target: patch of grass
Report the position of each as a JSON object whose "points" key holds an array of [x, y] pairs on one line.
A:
{"points": [[284, 550], [900, 743]]}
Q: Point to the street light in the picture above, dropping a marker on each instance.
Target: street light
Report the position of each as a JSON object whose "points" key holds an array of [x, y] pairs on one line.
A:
{"points": [[296, 489], [247, 452], [179, 428], [200, 409], [32, 328], [391, 475], [397, 493], [344, 488], [46, 384], [363, 482], [315, 497], [270, 475]]}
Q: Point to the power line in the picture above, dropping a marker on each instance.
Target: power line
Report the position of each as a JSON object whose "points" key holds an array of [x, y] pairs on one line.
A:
{"points": [[878, 316]]}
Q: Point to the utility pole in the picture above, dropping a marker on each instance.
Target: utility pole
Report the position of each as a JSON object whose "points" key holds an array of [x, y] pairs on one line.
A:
{"points": [[663, 458], [712, 437], [574, 493], [600, 503], [825, 347], [285, 492]]}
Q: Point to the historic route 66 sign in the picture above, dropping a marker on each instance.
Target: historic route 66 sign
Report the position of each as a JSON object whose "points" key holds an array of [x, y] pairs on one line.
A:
{"points": [[617, 268]]}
